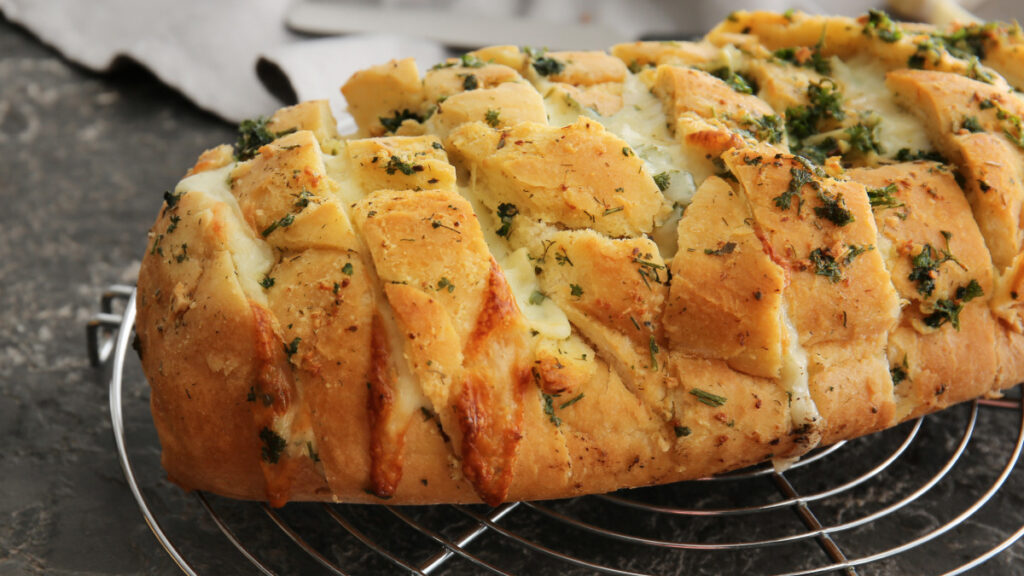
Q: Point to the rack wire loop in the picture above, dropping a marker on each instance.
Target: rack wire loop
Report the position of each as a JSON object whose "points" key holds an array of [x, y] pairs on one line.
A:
{"points": [[504, 540]]}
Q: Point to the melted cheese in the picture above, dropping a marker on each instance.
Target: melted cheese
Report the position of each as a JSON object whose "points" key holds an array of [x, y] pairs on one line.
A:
{"points": [[544, 317], [794, 380], [252, 257], [642, 124], [338, 169], [542, 314], [862, 81]]}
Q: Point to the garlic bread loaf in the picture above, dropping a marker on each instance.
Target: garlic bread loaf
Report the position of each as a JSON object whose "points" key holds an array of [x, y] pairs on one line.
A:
{"points": [[536, 274]]}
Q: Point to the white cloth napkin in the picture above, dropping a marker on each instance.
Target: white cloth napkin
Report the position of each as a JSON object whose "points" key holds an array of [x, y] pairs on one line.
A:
{"points": [[209, 50], [217, 52]]}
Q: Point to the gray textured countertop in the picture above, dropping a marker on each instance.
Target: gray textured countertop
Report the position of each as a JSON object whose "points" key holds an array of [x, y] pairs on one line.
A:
{"points": [[83, 162]]}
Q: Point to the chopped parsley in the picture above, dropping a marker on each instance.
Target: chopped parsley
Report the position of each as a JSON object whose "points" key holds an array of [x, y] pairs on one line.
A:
{"points": [[825, 264], [682, 431], [506, 212], [799, 179], [864, 138], [252, 134], [392, 123], [571, 401], [562, 257], [627, 151], [926, 267], [806, 57], [292, 347], [768, 128], [253, 396], [735, 80], [971, 124], [650, 271], [833, 209], [267, 282], [708, 398], [549, 408], [899, 372], [395, 164], [347, 269], [884, 197], [445, 284], [723, 249], [175, 220], [663, 180], [948, 310], [172, 199], [1012, 127], [824, 103], [491, 117], [821, 150], [879, 24], [537, 298], [576, 290], [967, 42], [852, 251], [905, 155], [653, 346], [471, 61], [284, 222], [546, 66], [302, 199], [273, 445], [469, 82]]}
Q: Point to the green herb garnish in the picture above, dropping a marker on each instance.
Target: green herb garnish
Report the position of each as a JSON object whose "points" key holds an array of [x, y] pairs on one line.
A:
{"points": [[735, 80], [546, 66], [723, 248], [284, 222], [708, 398], [971, 124], [292, 347], [948, 310], [663, 180], [799, 179], [879, 24], [884, 197], [549, 408], [392, 123], [395, 164], [833, 209], [273, 445], [506, 212], [825, 264], [537, 298]]}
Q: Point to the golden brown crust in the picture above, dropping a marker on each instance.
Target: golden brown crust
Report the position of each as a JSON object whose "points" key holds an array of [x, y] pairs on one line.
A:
{"points": [[463, 301]]}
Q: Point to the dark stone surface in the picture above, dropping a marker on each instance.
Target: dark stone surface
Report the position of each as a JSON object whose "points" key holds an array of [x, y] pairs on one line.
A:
{"points": [[83, 162]]}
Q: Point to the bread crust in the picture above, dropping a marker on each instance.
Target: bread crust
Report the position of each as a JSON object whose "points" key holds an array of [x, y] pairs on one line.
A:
{"points": [[463, 302]]}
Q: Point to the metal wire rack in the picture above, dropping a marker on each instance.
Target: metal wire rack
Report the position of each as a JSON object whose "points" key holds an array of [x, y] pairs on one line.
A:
{"points": [[922, 498]]}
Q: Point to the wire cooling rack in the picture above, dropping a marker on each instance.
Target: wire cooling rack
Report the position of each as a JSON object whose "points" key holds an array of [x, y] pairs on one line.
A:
{"points": [[940, 495]]}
